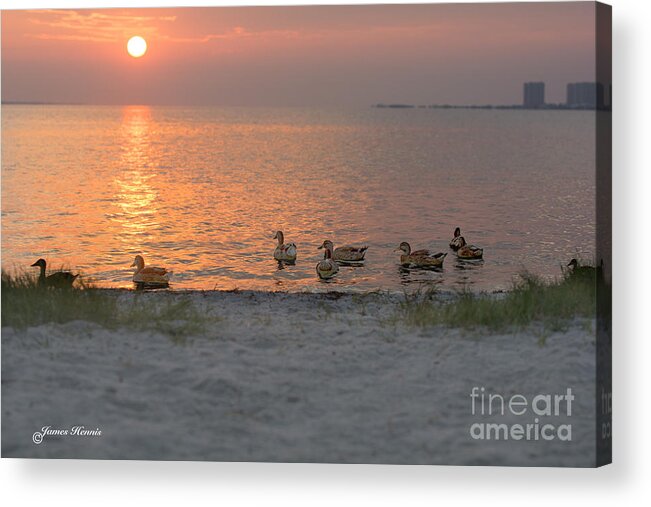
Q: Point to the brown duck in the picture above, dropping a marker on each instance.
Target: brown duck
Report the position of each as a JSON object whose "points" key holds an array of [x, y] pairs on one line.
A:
{"points": [[345, 253], [327, 268], [457, 241], [464, 250], [420, 258], [150, 275], [284, 251]]}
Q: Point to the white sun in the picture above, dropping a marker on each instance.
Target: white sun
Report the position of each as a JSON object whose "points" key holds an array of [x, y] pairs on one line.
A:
{"points": [[137, 46]]}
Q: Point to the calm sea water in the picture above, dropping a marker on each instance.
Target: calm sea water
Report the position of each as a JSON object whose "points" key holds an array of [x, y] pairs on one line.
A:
{"points": [[202, 190]]}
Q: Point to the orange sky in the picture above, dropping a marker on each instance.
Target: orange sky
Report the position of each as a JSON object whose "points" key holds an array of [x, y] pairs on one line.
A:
{"points": [[335, 55]]}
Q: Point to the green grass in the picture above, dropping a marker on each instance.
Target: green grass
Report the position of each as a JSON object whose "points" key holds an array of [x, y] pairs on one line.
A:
{"points": [[553, 304], [25, 303]]}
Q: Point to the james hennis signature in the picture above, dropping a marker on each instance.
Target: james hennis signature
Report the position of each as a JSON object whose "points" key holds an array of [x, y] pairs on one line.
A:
{"points": [[74, 431]]}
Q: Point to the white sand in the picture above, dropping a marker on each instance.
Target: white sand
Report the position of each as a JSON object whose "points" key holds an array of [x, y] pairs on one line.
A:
{"points": [[288, 377]]}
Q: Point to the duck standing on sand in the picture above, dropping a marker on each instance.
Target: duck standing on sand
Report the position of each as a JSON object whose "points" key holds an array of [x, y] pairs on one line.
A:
{"points": [[420, 258], [150, 275], [284, 252], [345, 253], [327, 268], [60, 279]]}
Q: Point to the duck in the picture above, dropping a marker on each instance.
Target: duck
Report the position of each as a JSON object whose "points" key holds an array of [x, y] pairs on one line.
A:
{"points": [[464, 250], [60, 279], [284, 252], [576, 268], [420, 258], [457, 241], [345, 253], [149, 275], [327, 268], [470, 252]]}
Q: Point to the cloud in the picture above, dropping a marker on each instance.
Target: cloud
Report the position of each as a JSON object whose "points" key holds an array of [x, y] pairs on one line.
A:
{"points": [[93, 26], [111, 26], [236, 33]]}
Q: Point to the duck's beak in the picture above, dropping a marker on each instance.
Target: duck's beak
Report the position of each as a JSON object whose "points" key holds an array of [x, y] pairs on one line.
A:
{"points": [[35, 264], [133, 264], [319, 247]]}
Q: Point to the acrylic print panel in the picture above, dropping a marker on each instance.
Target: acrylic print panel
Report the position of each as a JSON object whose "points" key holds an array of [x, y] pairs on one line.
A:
{"points": [[347, 234]]}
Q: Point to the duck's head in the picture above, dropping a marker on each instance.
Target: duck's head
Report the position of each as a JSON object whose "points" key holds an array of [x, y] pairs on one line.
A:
{"points": [[573, 264], [457, 232], [138, 262], [40, 263], [280, 237], [327, 244], [405, 248]]}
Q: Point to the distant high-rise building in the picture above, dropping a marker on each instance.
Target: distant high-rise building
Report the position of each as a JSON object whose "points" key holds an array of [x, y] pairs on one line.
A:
{"points": [[534, 95], [585, 95]]}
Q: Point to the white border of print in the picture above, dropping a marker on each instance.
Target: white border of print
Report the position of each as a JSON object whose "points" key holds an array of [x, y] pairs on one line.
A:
{"points": [[107, 483]]}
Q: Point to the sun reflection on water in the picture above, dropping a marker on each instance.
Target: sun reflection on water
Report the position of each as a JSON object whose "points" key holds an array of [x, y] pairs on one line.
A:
{"points": [[135, 193], [201, 191]]}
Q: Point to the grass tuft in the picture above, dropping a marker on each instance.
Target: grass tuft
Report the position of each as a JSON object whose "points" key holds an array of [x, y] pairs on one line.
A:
{"points": [[26, 303], [531, 299]]}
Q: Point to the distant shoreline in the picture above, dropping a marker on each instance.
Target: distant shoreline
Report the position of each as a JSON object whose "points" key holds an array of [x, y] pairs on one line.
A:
{"points": [[546, 107], [36, 103]]}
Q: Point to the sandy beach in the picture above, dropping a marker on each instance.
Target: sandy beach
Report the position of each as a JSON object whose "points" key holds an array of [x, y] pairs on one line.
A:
{"points": [[289, 377]]}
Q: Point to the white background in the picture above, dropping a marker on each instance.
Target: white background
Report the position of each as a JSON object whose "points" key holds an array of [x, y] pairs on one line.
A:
{"points": [[627, 481]]}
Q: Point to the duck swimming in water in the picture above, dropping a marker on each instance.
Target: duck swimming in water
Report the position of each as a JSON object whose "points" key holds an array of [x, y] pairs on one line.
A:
{"points": [[327, 268], [59, 279], [470, 252], [345, 253], [284, 252], [420, 258], [465, 251], [457, 241], [150, 275]]}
